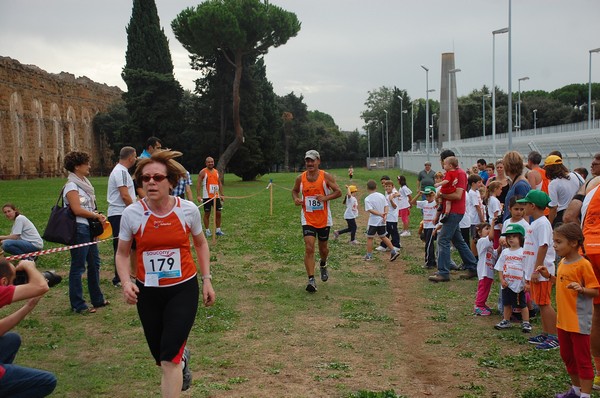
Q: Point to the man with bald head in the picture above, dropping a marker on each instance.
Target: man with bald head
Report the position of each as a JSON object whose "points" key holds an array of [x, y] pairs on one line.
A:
{"points": [[210, 187]]}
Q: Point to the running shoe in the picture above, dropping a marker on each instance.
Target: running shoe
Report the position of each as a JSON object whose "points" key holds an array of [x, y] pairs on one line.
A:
{"points": [[569, 394], [395, 254], [503, 324], [482, 311], [405, 233], [336, 235], [187, 373], [220, 233], [324, 273], [354, 242], [368, 257], [539, 339], [526, 327], [382, 249], [551, 343], [208, 233], [312, 285]]}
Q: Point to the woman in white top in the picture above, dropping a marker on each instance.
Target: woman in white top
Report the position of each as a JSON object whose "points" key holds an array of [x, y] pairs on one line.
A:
{"points": [[79, 194], [24, 237], [561, 189]]}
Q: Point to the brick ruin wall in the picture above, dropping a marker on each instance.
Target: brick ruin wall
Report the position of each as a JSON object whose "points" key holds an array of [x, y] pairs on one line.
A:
{"points": [[43, 116]]}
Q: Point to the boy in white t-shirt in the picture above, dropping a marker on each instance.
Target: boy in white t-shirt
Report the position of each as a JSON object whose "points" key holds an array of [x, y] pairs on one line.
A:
{"points": [[429, 208], [538, 251], [511, 271], [376, 206], [392, 197], [494, 209]]}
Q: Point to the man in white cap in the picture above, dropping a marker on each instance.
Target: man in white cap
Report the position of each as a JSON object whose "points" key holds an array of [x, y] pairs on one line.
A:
{"points": [[313, 190]]}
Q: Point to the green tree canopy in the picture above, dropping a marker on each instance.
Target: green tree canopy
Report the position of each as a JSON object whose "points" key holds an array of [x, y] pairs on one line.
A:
{"points": [[236, 29]]}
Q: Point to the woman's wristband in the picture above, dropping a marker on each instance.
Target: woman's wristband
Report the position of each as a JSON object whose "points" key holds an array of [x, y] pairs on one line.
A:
{"points": [[207, 276]]}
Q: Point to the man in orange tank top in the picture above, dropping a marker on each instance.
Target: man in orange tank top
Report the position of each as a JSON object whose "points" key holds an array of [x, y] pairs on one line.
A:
{"points": [[210, 187], [313, 190]]}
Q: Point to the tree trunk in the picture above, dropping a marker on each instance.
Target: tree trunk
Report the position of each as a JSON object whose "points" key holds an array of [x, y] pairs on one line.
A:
{"points": [[237, 126]]}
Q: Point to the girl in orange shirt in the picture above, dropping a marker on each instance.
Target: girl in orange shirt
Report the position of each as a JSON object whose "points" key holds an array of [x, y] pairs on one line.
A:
{"points": [[576, 286]]}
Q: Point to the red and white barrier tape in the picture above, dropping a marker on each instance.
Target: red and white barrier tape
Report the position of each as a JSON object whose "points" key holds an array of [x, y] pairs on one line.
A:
{"points": [[56, 250]]}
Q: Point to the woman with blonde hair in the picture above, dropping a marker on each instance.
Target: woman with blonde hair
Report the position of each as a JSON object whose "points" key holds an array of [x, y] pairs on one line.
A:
{"points": [[165, 289]]}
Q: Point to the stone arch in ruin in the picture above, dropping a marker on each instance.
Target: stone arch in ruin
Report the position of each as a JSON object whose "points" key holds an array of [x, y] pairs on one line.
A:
{"points": [[55, 140], [17, 138], [70, 144], [86, 123], [39, 136]]}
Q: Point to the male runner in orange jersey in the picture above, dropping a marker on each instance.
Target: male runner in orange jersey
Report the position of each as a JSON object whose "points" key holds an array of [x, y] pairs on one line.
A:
{"points": [[313, 190]]}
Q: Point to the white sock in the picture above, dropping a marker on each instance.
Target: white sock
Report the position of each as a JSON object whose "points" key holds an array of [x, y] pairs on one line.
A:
{"points": [[218, 229], [577, 390], [585, 395], [208, 230]]}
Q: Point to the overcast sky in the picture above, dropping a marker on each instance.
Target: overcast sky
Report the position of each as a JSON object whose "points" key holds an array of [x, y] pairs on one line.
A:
{"points": [[344, 49]]}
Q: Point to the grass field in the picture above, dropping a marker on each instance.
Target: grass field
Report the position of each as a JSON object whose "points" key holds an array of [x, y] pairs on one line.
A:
{"points": [[375, 329]]}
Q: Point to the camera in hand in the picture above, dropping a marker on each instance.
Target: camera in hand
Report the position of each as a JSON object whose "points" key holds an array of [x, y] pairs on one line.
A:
{"points": [[52, 278]]}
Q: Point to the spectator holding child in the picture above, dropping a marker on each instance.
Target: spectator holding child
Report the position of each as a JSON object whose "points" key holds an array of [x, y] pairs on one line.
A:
{"points": [[450, 231], [24, 237]]}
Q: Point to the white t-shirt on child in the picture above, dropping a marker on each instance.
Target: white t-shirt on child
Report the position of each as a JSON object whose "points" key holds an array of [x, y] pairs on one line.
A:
{"points": [[474, 200], [493, 207], [351, 208], [511, 264], [429, 212], [392, 211], [538, 234], [487, 258], [375, 201]]}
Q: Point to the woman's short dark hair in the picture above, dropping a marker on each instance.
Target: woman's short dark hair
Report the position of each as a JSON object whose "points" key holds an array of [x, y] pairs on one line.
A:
{"points": [[74, 159]]}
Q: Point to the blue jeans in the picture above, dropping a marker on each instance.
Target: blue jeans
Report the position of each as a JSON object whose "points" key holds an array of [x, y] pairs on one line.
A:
{"points": [[450, 232], [18, 246], [19, 381], [79, 257]]}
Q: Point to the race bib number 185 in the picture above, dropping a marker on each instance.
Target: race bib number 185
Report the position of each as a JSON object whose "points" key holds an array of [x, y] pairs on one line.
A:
{"points": [[313, 204]]}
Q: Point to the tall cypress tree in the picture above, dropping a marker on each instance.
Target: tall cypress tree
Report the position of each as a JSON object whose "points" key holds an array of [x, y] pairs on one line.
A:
{"points": [[153, 95]]}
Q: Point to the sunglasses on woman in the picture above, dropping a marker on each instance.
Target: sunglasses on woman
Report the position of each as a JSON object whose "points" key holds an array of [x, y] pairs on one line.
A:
{"points": [[155, 177]]}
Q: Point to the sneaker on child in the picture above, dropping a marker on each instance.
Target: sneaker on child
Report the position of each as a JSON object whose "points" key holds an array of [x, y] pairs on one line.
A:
{"points": [[551, 343], [482, 311], [395, 254], [503, 324], [539, 339], [208, 233], [368, 257], [382, 249], [405, 233], [568, 394], [526, 327]]}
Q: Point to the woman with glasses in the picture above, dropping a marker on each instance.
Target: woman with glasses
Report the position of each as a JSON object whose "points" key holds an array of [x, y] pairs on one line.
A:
{"points": [[165, 289]]}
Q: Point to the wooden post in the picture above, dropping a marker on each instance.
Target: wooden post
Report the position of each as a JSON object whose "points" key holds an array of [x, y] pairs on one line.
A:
{"points": [[214, 223], [271, 197]]}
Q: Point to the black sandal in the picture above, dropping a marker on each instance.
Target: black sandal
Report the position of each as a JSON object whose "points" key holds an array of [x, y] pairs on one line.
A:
{"points": [[104, 304]]}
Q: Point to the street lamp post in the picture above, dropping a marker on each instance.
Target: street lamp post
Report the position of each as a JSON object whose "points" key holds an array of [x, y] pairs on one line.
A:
{"points": [[510, 129], [401, 133], [412, 125], [369, 143], [518, 126], [535, 122], [494, 33], [483, 110], [593, 114], [382, 141], [433, 115], [595, 50], [450, 73], [387, 139], [427, 110]]}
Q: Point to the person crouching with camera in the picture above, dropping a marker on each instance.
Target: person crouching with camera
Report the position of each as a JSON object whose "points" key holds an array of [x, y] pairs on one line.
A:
{"points": [[18, 381]]}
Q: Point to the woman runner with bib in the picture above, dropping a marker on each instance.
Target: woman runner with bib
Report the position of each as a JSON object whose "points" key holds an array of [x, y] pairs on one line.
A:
{"points": [[166, 285]]}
